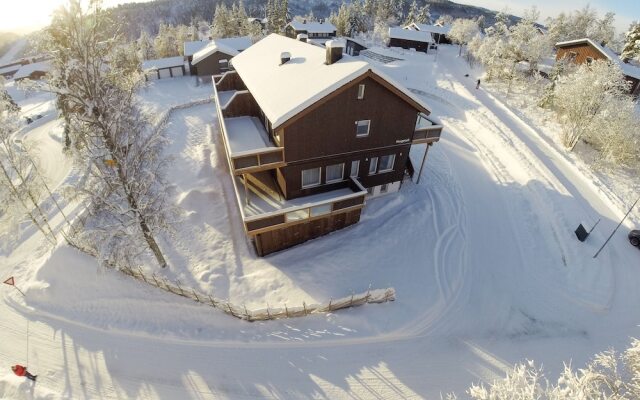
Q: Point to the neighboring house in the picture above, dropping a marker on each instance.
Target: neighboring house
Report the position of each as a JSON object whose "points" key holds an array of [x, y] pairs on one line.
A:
{"points": [[318, 31], [163, 68], [354, 46], [33, 71], [410, 39], [586, 50], [309, 134], [8, 71], [439, 33], [214, 58], [191, 48]]}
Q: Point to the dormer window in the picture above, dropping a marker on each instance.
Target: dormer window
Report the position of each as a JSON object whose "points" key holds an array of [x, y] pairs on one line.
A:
{"points": [[360, 91], [589, 60]]}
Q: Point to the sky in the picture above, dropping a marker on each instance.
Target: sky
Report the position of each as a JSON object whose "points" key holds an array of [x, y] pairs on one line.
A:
{"points": [[24, 15], [28, 15], [626, 10]]}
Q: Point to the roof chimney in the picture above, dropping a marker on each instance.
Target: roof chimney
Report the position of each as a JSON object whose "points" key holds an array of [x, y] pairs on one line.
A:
{"points": [[302, 37], [285, 57], [334, 51]]}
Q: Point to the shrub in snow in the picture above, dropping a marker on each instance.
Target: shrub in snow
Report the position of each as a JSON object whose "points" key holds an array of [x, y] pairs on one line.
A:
{"points": [[609, 375], [593, 105]]}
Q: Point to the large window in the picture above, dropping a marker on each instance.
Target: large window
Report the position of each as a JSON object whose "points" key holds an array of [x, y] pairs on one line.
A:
{"points": [[362, 128], [311, 177], [335, 173], [386, 163], [355, 169], [373, 165]]}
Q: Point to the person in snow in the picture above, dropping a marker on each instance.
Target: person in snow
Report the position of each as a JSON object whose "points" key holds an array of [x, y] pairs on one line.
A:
{"points": [[22, 371], [478, 84]]}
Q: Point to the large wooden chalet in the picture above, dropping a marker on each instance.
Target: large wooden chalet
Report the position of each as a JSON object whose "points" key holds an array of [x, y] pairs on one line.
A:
{"points": [[319, 31], [309, 134], [410, 39], [212, 57], [586, 51]]}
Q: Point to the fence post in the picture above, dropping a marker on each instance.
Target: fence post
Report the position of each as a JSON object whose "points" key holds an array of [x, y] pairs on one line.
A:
{"points": [[195, 294], [230, 310], [142, 274], [330, 300], [213, 302], [179, 287]]}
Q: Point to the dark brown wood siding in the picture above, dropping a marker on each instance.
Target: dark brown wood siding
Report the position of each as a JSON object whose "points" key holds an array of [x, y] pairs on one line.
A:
{"points": [[281, 239], [211, 65], [326, 135], [582, 52], [409, 44]]}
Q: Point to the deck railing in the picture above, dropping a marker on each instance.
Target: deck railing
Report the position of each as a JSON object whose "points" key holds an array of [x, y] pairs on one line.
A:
{"points": [[293, 215], [257, 160]]}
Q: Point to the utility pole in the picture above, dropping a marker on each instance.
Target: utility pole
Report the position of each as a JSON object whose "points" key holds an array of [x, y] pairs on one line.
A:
{"points": [[615, 230]]}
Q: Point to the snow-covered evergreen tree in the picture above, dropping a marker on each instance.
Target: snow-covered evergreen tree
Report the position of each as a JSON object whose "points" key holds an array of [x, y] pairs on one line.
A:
{"points": [[424, 15], [222, 26], [631, 48], [120, 154]]}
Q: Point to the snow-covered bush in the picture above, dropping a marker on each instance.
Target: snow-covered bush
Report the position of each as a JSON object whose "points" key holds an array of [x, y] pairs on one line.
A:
{"points": [[463, 31], [609, 375], [593, 105]]}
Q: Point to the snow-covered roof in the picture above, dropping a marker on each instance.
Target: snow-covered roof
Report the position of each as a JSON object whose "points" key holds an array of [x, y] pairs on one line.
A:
{"points": [[236, 43], [190, 48], [10, 69], [409, 34], [282, 91], [313, 27], [161, 63], [229, 46], [26, 70], [443, 30], [627, 69]]}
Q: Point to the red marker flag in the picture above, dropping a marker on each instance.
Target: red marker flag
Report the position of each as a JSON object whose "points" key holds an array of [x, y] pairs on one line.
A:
{"points": [[9, 281]]}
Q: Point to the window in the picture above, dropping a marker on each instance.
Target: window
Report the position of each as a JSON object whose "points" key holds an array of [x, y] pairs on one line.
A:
{"points": [[373, 165], [384, 188], [589, 60], [335, 173], [362, 128], [360, 91], [311, 177], [386, 163], [224, 65], [572, 55], [355, 168]]}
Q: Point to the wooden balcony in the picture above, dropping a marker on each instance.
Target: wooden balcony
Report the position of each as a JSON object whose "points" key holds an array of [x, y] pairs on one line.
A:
{"points": [[426, 131], [263, 209]]}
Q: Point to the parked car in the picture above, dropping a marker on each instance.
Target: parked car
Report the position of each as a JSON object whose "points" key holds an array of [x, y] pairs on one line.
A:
{"points": [[634, 237]]}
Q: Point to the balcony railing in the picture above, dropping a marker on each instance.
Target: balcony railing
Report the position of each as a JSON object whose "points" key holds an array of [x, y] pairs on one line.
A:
{"points": [[426, 131], [257, 160], [292, 215]]}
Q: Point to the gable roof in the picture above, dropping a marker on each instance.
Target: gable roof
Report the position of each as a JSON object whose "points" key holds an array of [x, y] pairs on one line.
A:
{"points": [[190, 48], [443, 30], [627, 69], [283, 91], [236, 43], [230, 46], [409, 34], [313, 27]]}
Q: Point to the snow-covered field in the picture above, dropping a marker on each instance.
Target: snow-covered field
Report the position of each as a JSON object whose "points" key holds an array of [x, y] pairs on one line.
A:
{"points": [[481, 253]]}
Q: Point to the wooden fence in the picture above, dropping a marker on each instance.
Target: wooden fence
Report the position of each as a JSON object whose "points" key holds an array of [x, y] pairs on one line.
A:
{"points": [[370, 296]]}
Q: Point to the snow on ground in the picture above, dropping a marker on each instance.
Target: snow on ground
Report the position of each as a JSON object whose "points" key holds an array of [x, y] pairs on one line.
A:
{"points": [[481, 253]]}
